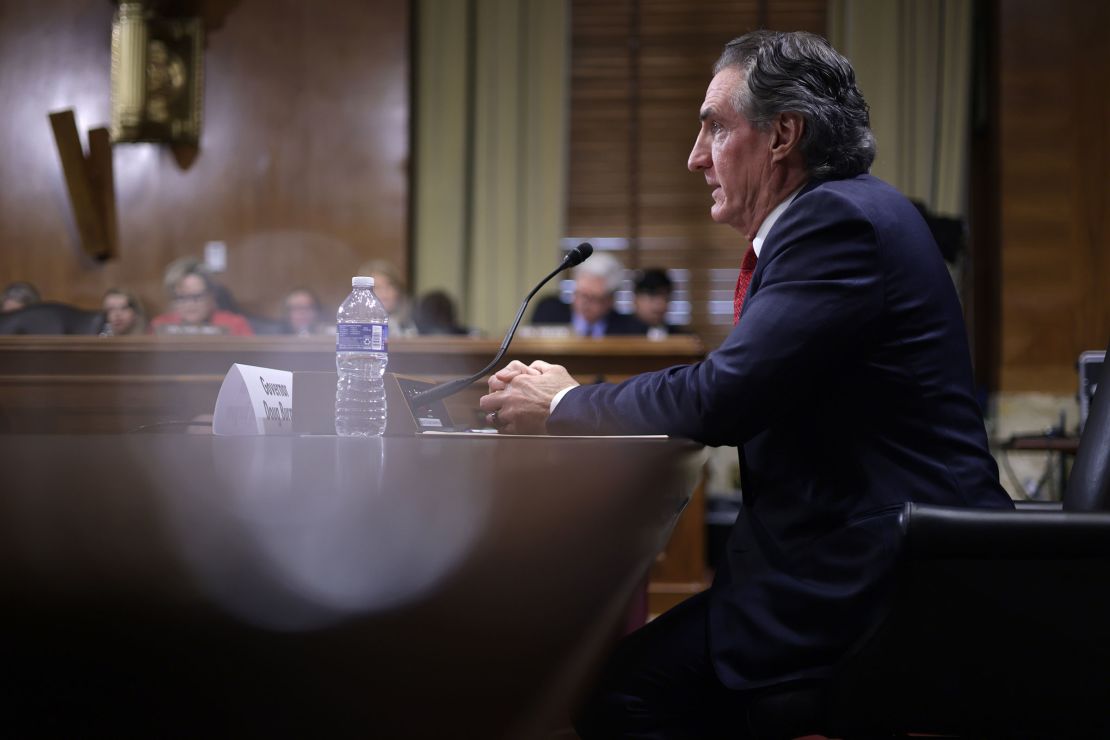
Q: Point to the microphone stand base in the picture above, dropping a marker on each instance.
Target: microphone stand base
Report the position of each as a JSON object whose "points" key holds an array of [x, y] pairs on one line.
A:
{"points": [[314, 405], [405, 421]]}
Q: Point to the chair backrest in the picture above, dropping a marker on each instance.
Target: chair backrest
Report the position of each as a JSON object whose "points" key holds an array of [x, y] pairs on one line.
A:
{"points": [[1089, 483], [51, 318]]}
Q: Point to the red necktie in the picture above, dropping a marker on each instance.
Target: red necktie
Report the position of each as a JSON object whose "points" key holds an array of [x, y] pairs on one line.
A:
{"points": [[743, 280]]}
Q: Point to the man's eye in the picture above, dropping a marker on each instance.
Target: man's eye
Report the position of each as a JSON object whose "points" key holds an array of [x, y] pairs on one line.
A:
{"points": [[715, 127]]}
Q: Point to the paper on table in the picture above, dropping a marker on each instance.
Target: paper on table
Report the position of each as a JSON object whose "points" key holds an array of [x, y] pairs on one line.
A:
{"points": [[254, 400]]}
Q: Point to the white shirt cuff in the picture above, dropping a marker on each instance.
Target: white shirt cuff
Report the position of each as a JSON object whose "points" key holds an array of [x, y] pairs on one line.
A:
{"points": [[558, 397]]}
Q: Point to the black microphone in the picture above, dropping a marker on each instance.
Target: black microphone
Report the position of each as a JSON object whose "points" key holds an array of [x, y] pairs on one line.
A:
{"points": [[574, 257]]}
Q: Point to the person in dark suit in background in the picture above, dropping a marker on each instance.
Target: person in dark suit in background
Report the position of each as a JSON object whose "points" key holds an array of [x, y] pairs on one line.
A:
{"points": [[652, 299], [436, 315], [846, 385], [591, 312]]}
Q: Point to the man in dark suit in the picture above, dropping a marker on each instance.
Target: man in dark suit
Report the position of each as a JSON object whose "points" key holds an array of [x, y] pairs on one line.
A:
{"points": [[591, 312], [845, 384]]}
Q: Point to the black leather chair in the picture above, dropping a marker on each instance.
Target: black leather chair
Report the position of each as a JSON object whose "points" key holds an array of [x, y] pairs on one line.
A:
{"points": [[51, 318], [1000, 627]]}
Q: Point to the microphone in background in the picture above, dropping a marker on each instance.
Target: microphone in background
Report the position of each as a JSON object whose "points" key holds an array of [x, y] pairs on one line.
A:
{"points": [[574, 257]]}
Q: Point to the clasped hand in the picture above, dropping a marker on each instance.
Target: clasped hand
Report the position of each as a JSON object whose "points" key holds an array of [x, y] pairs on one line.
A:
{"points": [[519, 398]]}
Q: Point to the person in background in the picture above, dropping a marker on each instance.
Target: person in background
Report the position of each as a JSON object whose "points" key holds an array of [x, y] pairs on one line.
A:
{"points": [[193, 295], [435, 314], [390, 289], [652, 299], [123, 313], [591, 312], [301, 313], [18, 295], [225, 301]]}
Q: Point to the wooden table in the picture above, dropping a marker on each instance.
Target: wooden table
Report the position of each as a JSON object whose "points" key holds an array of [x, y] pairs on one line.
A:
{"points": [[156, 584], [108, 385]]}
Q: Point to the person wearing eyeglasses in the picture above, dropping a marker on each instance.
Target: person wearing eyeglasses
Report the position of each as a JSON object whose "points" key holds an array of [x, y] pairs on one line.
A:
{"points": [[192, 294]]}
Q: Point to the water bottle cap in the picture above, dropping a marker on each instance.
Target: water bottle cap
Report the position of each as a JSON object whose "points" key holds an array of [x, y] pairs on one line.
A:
{"points": [[362, 282]]}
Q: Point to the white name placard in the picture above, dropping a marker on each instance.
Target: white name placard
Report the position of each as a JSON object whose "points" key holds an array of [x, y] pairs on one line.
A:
{"points": [[254, 400]]}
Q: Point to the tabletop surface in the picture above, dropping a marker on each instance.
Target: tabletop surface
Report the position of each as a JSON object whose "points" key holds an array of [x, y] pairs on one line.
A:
{"points": [[398, 587]]}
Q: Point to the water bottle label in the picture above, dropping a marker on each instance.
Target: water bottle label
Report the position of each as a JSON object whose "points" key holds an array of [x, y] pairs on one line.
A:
{"points": [[361, 337]]}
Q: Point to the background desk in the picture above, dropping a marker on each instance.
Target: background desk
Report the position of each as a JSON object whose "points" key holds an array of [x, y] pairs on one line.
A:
{"points": [[411, 587], [1059, 448], [90, 385]]}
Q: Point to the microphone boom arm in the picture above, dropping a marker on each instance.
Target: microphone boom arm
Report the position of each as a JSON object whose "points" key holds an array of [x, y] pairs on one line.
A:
{"points": [[436, 393]]}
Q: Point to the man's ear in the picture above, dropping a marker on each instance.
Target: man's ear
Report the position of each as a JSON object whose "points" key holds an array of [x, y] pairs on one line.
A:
{"points": [[786, 134]]}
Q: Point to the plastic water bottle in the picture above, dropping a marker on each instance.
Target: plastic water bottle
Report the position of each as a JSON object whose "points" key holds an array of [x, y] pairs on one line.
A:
{"points": [[361, 354]]}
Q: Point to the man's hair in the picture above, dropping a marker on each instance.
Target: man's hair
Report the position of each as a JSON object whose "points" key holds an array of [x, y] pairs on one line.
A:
{"points": [[801, 72], [21, 291], [604, 266], [652, 281]]}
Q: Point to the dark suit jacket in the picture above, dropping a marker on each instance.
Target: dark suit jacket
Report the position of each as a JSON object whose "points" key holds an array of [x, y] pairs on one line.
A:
{"points": [[551, 310], [847, 388]]}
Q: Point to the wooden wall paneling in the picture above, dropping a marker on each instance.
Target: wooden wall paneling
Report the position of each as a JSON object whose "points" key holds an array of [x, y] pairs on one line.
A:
{"points": [[983, 310], [598, 198], [1054, 122], [302, 162], [681, 42], [678, 43]]}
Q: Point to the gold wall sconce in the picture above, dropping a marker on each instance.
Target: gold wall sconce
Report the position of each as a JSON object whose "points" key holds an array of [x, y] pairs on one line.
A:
{"points": [[157, 76]]}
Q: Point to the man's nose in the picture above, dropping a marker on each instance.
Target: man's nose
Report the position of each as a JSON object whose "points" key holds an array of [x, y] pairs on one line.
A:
{"points": [[699, 155]]}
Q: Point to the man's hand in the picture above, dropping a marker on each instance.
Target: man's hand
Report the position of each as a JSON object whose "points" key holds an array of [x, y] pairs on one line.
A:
{"points": [[519, 400]]}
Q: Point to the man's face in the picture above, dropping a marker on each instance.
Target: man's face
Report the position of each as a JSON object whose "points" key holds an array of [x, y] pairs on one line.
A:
{"points": [[301, 313], [193, 301], [734, 155], [120, 315], [651, 308], [592, 300]]}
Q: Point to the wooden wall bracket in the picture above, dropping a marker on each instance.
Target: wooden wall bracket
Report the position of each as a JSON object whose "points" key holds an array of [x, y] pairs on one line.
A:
{"points": [[90, 184]]}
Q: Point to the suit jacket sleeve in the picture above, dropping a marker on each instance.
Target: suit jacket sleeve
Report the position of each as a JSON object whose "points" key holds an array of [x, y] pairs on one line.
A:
{"points": [[813, 306]]}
